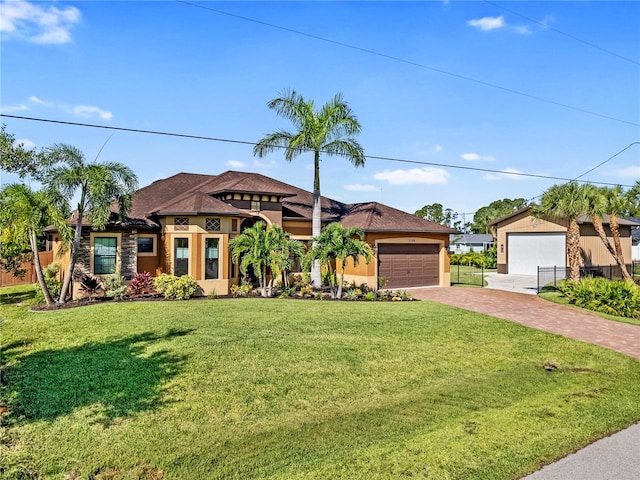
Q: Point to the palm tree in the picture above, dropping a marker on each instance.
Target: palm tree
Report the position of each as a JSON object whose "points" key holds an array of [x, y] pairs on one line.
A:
{"points": [[334, 246], [268, 251], [285, 250], [566, 202], [617, 203], [24, 214], [599, 205], [330, 130], [98, 185]]}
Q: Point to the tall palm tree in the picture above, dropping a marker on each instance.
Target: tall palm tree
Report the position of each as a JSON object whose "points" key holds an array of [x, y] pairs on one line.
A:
{"points": [[566, 202], [24, 214], [334, 246], [599, 205], [330, 130], [617, 204], [98, 185]]}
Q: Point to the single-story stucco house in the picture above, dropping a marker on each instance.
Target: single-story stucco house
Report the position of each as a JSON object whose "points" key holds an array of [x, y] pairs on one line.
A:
{"points": [[476, 242], [526, 243], [182, 225]]}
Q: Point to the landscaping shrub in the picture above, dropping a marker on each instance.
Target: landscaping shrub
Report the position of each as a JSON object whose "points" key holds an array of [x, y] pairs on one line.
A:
{"points": [[114, 287], [141, 284], [89, 285], [50, 273], [241, 290], [172, 287], [614, 297]]}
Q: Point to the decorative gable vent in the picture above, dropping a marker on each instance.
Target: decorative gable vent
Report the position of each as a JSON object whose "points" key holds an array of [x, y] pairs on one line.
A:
{"points": [[181, 223], [212, 224]]}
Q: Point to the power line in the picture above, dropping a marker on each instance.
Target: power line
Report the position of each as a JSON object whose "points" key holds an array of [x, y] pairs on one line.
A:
{"points": [[408, 62], [244, 142], [573, 37], [610, 158]]}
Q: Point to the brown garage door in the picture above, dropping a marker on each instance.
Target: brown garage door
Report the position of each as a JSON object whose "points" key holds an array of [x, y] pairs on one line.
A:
{"points": [[408, 265]]}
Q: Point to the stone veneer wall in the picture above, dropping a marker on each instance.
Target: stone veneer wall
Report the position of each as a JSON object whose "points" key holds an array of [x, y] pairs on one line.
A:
{"points": [[128, 250]]}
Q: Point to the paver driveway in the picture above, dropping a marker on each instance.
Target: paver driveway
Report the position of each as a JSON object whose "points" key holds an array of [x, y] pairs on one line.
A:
{"points": [[534, 312]]}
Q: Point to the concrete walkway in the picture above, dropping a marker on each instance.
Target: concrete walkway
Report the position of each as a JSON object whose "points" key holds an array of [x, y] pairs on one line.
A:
{"points": [[612, 458], [512, 283]]}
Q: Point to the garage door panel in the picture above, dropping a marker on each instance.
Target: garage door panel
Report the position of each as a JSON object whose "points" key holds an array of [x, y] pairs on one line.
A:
{"points": [[409, 265], [528, 251]]}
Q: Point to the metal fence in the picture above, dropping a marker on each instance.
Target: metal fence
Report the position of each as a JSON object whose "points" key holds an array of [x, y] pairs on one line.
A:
{"points": [[468, 275], [551, 276]]}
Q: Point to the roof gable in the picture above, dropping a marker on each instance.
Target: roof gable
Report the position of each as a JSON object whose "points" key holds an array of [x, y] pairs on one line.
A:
{"points": [[376, 217]]}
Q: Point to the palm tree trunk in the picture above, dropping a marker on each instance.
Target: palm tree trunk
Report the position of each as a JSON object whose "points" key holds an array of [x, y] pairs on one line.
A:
{"points": [[615, 231], [339, 294], [597, 224], [38, 266], [573, 250], [75, 246], [316, 219]]}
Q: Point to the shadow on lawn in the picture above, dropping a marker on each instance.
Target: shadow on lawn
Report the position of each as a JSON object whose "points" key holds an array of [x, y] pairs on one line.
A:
{"points": [[115, 379]]}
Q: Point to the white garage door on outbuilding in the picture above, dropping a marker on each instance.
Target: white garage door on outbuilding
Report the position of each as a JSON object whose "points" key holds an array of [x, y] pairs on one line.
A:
{"points": [[527, 251]]}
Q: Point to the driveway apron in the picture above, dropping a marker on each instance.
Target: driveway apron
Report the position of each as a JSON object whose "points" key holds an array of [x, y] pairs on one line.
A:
{"points": [[532, 311]]}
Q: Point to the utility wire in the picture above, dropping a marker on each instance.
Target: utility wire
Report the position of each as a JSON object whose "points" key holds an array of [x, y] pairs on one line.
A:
{"points": [[549, 27], [409, 62], [243, 142], [610, 158]]}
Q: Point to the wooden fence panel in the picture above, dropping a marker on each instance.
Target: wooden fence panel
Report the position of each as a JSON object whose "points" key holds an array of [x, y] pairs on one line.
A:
{"points": [[7, 279]]}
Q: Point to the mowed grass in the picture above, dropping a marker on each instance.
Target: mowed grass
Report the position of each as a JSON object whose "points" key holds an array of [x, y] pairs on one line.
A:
{"points": [[285, 389]]}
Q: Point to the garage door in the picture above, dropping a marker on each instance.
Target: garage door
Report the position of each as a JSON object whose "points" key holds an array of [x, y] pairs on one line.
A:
{"points": [[408, 265], [527, 251]]}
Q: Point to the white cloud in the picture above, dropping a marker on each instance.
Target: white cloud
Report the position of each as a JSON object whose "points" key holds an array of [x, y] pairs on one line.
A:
{"points": [[37, 24], [359, 187], [38, 101], [267, 165], [438, 148], [508, 174], [88, 111], [487, 23], [14, 108], [427, 175], [236, 164], [523, 30], [474, 157], [630, 173], [26, 143]]}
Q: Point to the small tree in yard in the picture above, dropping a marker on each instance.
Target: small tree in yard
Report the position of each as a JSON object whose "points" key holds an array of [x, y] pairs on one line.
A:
{"points": [[23, 216], [267, 251], [336, 245], [99, 185]]}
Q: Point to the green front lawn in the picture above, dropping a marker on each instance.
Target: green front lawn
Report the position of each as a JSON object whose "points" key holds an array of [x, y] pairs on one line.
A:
{"points": [[282, 389]]}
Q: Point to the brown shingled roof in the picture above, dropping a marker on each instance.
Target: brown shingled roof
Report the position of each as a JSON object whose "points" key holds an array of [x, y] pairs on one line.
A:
{"points": [[147, 199], [376, 217], [192, 194], [196, 203]]}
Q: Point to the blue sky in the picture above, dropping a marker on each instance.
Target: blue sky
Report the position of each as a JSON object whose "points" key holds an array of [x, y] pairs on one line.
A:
{"points": [[418, 82]]}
